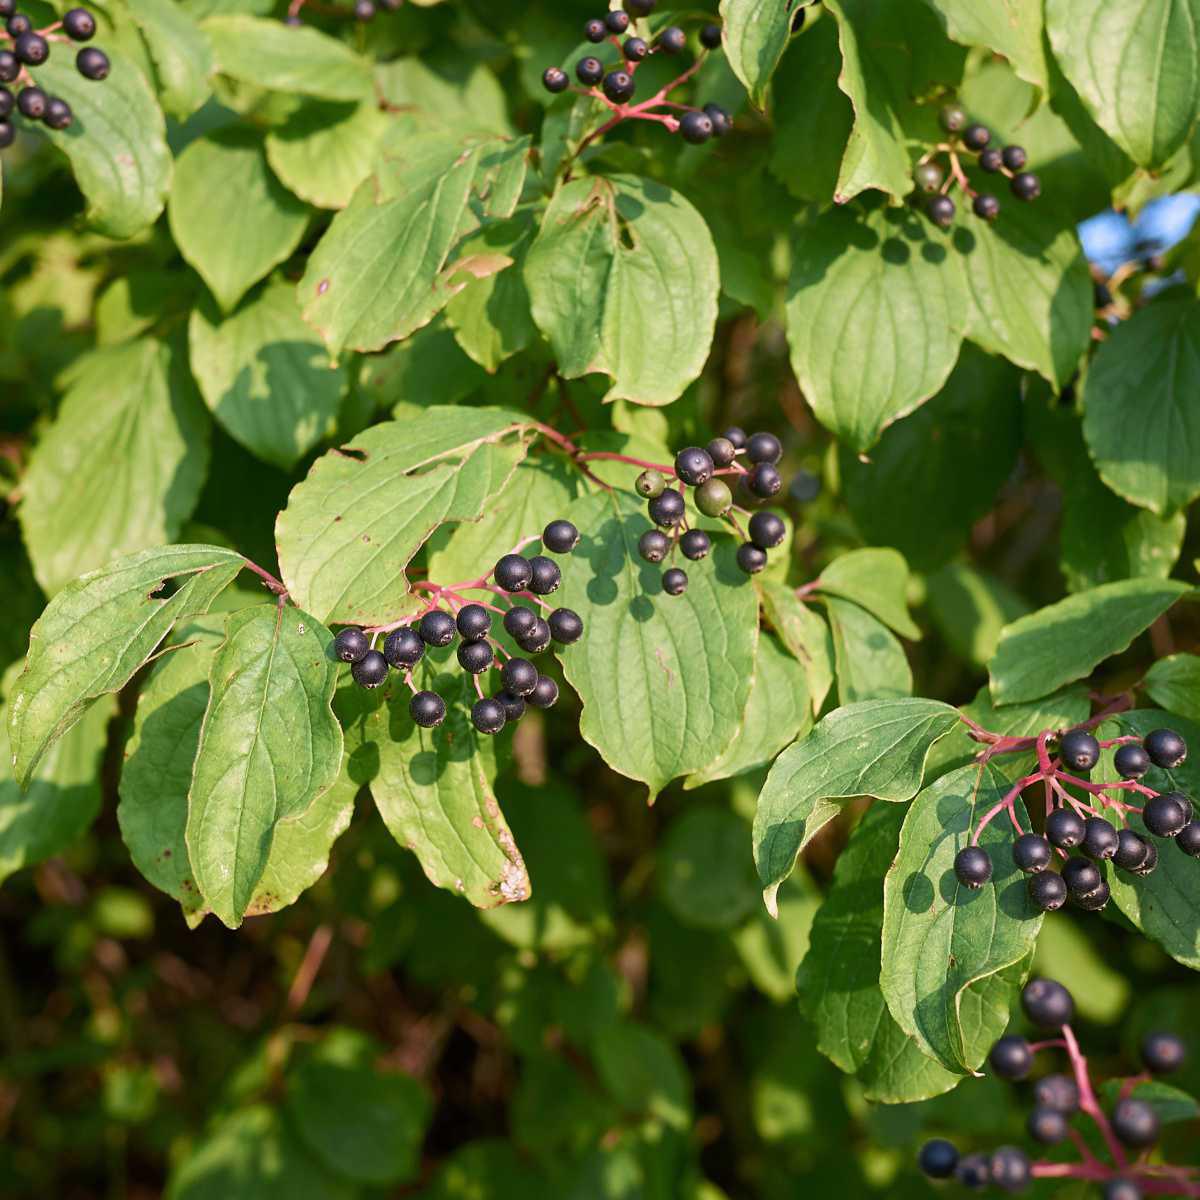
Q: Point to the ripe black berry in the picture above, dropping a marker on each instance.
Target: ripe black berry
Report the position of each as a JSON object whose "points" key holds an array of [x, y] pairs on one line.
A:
{"points": [[371, 670], [1100, 839], [713, 499], [18, 24], [767, 530], [1148, 867], [436, 628], [589, 71], [9, 67], [985, 206], [1163, 1053], [1047, 1126], [1013, 157], [1058, 1093], [1079, 750], [1131, 850], [972, 866], [566, 626], [514, 706], [1080, 876], [722, 122], [1131, 761], [805, 486], [1135, 1123], [1188, 839], [594, 30], [428, 709], [475, 657], [519, 676], [545, 694], [487, 715], [1165, 748], [928, 176], [735, 435], [474, 622], [953, 117], [976, 137], [695, 544], [537, 639], [560, 537], [1047, 1003], [650, 483], [641, 8], [1064, 828], [1047, 891], [619, 86], [938, 1158], [350, 645], [513, 573], [672, 39], [991, 161], [667, 510], [79, 25], [1167, 814], [1032, 853], [1026, 186], [546, 575], [695, 127], [31, 102], [973, 1172], [764, 448], [617, 21], [7, 8], [653, 545], [403, 648], [694, 466], [8, 134], [58, 113], [1010, 1169], [674, 581], [1122, 1189], [750, 558], [764, 480], [554, 79], [364, 10], [941, 211], [92, 63], [721, 450], [1011, 1057], [710, 36], [635, 49], [519, 621]]}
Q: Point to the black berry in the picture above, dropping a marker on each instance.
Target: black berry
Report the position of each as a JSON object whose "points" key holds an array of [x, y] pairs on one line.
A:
{"points": [[1131, 850], [1047, 891], [475, 657], [1079, 750], [8, 134], [674, 581], [941, 211], [1165, 748], [735, 435], [617, 21], [667, 510], [938, 1158], [722, 122], [928, 176], [713, 499], [695, 544], [953, 118], [1188, 839], [695, 127], [1167, 814], [1047, 1126], [991, 161], [1122, 1189], [1100, 839], [371, 670], [1131, 761], [9, 67], [18, 24], [92, 63], [1163, 1053], [436, 628], [487, 715], [594, 30], [653, 545], [1010, 1169], [1011, 1057], [566, 626], [554, 79], [986, 206], [1135, 1123], [1148, 867], [79, 25], [519, 676], [1047, 1003], [403, 648], [805, 486], [976, 137], [1013, 157], [474, 622], [694, 466], [619, 86], [1064, 828], [514, 706], [589, 71], [750, 558], [545, 694], [764, 448], [972, 866], [1032, 853], [58, 113], [767, 530], [546, 575], [764, 480], [635, 49], [1026, 186], [519, 621], [1081, 876], [710, 36], [1058, 1093], [641, 8], [560, 537], [721, 450], [428, 709], [972, 1172], [350, 645], [672, 39], [513, 573], [31, 102], [364, 10], [537, 639], [650, 483]]}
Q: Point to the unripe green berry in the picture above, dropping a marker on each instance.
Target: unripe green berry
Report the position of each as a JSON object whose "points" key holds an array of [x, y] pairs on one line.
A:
{"points": [[650, 483], [714, 498]]}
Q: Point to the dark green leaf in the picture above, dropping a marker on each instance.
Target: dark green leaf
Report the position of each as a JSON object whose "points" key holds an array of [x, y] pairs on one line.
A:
{"points": [[871, 664], [1174, 683]]}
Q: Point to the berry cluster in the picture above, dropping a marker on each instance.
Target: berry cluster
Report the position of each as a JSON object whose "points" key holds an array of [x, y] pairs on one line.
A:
{"points": [[615, 84], [1073, 824], [22, 47], [936, 181], [514, 575], [701, 471], [362, 10], [1130, 1128]]}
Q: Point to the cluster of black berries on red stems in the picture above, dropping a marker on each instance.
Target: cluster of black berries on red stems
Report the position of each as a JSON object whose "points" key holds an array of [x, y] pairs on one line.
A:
{"points": [[362, 10], [1129, 1128], [513, 577], [701, 470], [614, 84], [22, 47], [1075, 824], [935, 180]]}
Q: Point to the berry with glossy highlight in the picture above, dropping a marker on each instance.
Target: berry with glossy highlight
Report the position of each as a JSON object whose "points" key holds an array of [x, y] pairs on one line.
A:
{"points": [[560, 537], [371, 670], [427, 709], [351, 645]]}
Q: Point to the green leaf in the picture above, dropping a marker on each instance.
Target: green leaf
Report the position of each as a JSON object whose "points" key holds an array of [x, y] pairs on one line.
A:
{"points": [[875, 316], [871, 663], [644, 1073], [117, 143], [452, 92], [1066, 641], [779, 710], [434, 790], [876, 580], [362, 1123], [1137, 69], [1012, 28], [324, 150], [353, 525], [1172, 1105], [269, 747], [304, 61], [684, 663], [971, 608], [1141, 425], [98, 631], [940, 937], [935, 473], [771, 950], [233, 234], [265, 376], [388, 263], [157, 775], [623, 278], [838, 980], [805, 634], [1030, 291], [876, 748], [1174, 683], [755, 34], [250, 1155], [135, 477], [183, 58], [61, 798], [702, 877]]}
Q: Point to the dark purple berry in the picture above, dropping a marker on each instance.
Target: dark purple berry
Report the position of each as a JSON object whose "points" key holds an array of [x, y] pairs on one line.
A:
{"points": [[722, 122], [1165, 748], [1047, 1126], [31, 103], [474, 622], [1135, 1123], [566, 626], [487, 715], [1011, 1057], [985, 206], [654, 545], [32, 49], [595, 31], [371, 670], [976, 137], [427, 709], [513, 573], [1058, 1093], [437, 628], [537, 639], [1163, 1053], [514, 706], [1013, 157], [1065, 828], [672, 39], [1081, 876], [767, 530], [735, 435], [554, 79], [694, 466], [92, 63], [1121, 1189], [18, 24], [972, 867], [619, 86], [710, 36], [764, 480], [519, 676], [364, 10], [641, 8], [475, 657], [1010, 1169], [58, 113], [938, 1158], [617, 21], [750, 558], [1047, 1003], [403, 648], [546, 575], [1167, 814], [1032, 853], [941, 211], [695, 544], [1100, 839], [721, 450], [351, 645], [1047, 891], [545, 695], [973, 1172], [589, 71], [1148, 867], [1079, 750], [991, 161], [560, 537], [1131, 761], [8, 134], [764, 448], [9, 67], [667, 510], [1026, 186], [674, 581], [1131, 850], [519, 621], [635, 49], [695, 127], [1188, 839], [79, 25]]}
